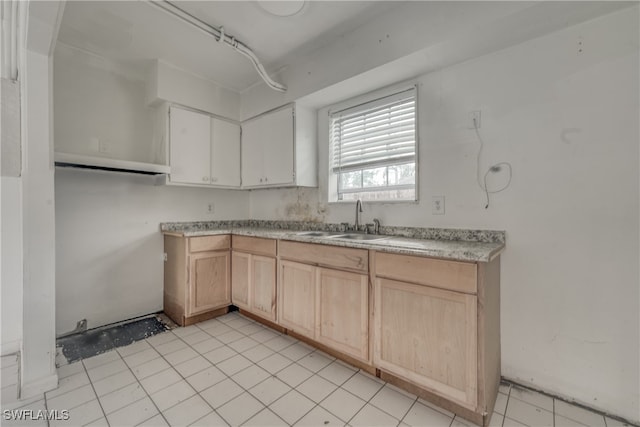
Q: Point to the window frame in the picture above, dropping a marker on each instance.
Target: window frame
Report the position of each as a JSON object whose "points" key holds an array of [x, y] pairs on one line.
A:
{"points": [[354, 102]]}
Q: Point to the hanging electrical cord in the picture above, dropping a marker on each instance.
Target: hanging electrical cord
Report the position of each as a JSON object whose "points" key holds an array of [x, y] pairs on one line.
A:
{"points": [[220, 37], [493, 169]]}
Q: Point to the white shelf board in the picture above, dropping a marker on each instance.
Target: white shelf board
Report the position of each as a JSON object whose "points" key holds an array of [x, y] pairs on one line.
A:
{"points": [[79, 160]]}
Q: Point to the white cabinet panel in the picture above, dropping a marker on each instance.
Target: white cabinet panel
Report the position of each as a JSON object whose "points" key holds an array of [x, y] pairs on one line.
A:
{"points": [[225, 153], [276, 146], [252, 156], [204, 150], [190, 144]]}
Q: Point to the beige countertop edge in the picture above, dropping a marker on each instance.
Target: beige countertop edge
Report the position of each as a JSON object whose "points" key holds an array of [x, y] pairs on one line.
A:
{"points": [[451, 250]]}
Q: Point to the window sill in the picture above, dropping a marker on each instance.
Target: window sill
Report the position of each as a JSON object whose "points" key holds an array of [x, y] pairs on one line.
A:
{"points": [[376, 202]]}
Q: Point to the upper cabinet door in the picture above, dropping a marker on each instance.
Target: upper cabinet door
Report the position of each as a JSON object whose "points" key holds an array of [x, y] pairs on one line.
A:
{"points": [[252, 158], [190, 142], [278, 148], [225, 153], [267, 149]]}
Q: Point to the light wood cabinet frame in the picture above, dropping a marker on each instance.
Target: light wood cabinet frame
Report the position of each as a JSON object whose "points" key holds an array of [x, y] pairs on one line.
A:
{"points": [[208, 282], [297, 297], [342, 311], [197, 274], [442, 315]]}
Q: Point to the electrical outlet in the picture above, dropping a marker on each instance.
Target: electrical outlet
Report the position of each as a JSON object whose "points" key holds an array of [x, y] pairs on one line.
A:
{"points": [[474, 120], [211, 209], [103, 147], [437, 205]]}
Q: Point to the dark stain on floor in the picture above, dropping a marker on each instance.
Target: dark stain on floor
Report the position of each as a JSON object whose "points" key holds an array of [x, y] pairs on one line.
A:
{"points": [[97, 341]]}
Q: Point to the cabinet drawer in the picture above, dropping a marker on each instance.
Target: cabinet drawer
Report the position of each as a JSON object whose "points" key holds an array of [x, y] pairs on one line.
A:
{"points": [[209, 243], [256, 245], [330, 256], [452, 275]]}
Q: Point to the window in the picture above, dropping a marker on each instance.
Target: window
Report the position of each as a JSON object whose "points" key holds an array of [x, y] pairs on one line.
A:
{"points": [[373, 149]]}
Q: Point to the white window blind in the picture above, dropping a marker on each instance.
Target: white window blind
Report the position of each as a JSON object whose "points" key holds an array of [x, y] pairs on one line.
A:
{"points": [[373, 140]]}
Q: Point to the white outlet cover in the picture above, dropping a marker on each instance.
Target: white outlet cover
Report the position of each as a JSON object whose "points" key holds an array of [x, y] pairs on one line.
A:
{"points": [[437, 205]]}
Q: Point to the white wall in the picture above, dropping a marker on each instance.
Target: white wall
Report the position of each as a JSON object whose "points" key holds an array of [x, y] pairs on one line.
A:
{"points": [[166, 82], [11, 264], [109, 249], [100, 108], [569, 124], [108, 245]]}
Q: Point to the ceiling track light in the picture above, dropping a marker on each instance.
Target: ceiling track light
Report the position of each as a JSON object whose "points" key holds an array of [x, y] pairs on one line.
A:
{"points": [[220, 36]]}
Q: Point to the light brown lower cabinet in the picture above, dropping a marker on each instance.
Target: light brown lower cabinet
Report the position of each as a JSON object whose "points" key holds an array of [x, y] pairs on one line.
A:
{"points": [[263, 289], [254, 275], [209, 282], [240, 277], [428, 336], [297, 298], [428, 325], [342, 311], [197, 277], [437, 330], [327, 305]]}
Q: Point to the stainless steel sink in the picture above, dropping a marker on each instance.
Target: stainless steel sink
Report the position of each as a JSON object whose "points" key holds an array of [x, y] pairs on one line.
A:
{"points": [[319, 233], [359, 236]]}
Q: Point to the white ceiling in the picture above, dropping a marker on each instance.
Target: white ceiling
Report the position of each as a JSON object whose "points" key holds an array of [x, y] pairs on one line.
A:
{"points": [[135, 32]]}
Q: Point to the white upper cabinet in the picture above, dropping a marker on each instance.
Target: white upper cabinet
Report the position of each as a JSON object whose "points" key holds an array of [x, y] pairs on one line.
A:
{"points": [[225, 153], [275, 149], [279, 150], [203, 150], [189, 136]]}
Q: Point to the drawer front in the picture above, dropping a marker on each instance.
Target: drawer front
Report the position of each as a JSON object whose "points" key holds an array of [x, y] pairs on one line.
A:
{"points": [[329, 256], [209, 243], [255, 245], [452, 275]]}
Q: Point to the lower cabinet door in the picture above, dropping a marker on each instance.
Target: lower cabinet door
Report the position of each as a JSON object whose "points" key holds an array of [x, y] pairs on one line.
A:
{"points": [[342, 314], [428, 336], [297, 297], [209, 281], [263, 287], [240, 277]]}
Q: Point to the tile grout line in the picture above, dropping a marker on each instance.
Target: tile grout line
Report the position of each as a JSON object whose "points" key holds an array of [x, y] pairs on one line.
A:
{"points": [[506, 406], [274, 375], [370, 399], [315, 373], [329, 395], [86, 372], [96, 394], [565, 400], [143, 389], [214, 365], [183, 378], [46, 406]]}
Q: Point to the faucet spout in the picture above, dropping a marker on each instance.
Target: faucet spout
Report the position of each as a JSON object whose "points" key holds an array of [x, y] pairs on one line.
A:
{"points": [[358, 211]]}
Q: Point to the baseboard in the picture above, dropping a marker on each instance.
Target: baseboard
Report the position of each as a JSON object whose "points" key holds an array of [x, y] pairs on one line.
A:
{"points": [[570, 401], [39, 386]]}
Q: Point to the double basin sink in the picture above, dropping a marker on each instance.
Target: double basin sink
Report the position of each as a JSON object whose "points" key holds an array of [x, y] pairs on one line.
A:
{"points": [[342, 236]]}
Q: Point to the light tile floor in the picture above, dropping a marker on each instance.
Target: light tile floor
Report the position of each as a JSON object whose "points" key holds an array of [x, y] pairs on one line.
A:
{"points": [[234, 371]]}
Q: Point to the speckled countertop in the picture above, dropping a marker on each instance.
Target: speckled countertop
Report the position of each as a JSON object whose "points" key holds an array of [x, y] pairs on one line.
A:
{"points": [[455, 244]]}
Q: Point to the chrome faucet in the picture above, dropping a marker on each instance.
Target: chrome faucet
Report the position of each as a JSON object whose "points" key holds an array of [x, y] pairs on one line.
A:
{"points": [[376, 226], [358, 212]]}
